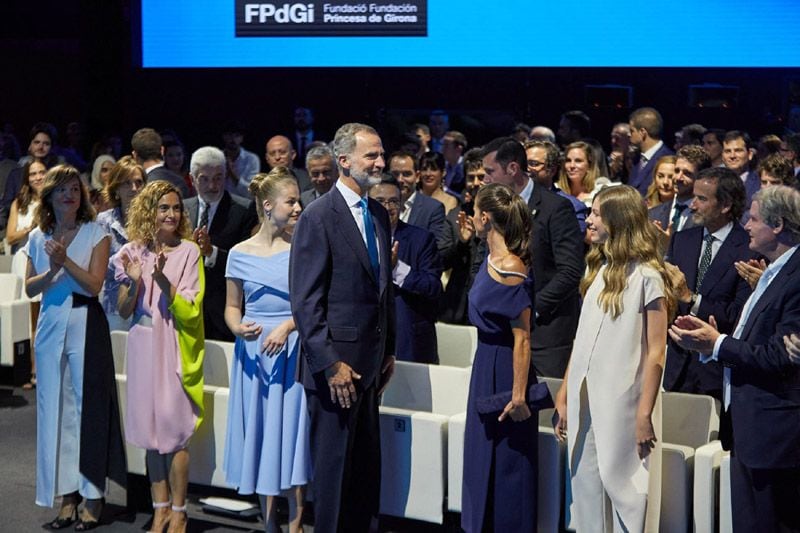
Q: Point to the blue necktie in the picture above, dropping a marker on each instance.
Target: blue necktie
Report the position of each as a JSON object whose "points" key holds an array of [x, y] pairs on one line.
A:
{"points": [[372, 245]]}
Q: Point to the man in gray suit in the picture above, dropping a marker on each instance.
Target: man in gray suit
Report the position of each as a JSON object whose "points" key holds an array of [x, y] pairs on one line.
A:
{"points": [[321, 169]]}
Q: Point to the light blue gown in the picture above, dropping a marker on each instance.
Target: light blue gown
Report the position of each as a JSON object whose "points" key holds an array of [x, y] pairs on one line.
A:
{"points": [[266, 445]]}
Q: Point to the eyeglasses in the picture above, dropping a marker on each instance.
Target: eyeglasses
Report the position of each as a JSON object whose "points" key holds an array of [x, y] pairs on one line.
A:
{"points": [[388, 202], [532, 163]]}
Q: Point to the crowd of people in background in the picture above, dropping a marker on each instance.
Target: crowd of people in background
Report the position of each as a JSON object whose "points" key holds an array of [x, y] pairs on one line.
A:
{"points": [[626, 269]]}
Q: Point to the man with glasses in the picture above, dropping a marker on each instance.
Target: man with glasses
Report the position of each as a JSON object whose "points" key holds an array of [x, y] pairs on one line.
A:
{"points": [[416, 270], [544, 159]]}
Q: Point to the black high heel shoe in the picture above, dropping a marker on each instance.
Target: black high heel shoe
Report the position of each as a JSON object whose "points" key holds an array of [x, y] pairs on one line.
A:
{"points": [[64, 522], [86, 525]]}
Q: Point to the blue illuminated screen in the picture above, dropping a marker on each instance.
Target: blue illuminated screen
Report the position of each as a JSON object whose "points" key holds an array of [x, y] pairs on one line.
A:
{"points": [[469, 33]]}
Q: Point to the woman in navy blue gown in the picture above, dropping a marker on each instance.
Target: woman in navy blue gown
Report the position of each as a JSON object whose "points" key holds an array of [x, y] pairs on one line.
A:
{"points": [[500, 446]]}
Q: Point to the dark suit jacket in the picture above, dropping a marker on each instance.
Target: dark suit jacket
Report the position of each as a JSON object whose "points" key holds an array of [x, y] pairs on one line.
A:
{"points": [[765, 394], [723, 294], [163, 173], [417, 300], [306, 197], [663, 213], [641, 178], [232, 223], [428, 214], [557, 249], [303, 179], [341, 311]]}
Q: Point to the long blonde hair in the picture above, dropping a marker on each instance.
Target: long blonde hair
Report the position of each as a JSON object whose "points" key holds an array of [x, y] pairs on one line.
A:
{"points": [[632, 238], [141, 226]]}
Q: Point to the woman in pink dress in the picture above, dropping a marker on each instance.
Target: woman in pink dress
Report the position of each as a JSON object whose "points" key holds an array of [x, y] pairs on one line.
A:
{"points": [[162, 286]]}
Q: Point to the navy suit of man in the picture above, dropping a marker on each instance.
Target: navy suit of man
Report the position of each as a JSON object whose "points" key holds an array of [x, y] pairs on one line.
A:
{"points": [[233, 221], [427, 213], [663, 214], [723, 294], [416, 301], [343, 313], [557, 250], [641, 177], [765, 405]]}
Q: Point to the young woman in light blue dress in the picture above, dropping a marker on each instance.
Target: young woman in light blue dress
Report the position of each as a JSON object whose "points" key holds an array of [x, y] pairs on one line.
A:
{"points": [[266, 446]]}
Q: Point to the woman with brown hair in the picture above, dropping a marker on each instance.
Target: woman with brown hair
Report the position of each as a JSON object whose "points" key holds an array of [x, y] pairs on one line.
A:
{"points": [[579, 171], [125, 180], [78, 443], [162, 283], [20, 223], [662, 188]]}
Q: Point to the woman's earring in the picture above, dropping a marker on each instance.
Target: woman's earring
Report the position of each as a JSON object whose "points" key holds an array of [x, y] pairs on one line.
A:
{"points": [[268, 214]]}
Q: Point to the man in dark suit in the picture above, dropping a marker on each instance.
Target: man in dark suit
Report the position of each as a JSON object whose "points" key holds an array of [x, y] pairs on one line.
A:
{"points": [[279, 152], [219, 220], [646, 128], [416, 272], [557, 250], [737, 153], [762, 385], [147, 149], [705, 255], [675, 216], [417, 209], [321, 170], [340, 286]]}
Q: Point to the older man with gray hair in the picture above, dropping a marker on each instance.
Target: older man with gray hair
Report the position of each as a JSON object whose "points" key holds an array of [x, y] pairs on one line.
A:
{"points": [[340, 287], [219, 220], [761, 384], [322, 172]]}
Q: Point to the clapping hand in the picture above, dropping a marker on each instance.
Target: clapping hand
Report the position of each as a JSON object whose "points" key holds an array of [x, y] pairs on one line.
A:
{"points": [[751, 270], [466, 227], [692, 333], [395, 248], [200, 236], [792, 344], [158, 265], [57, 252], [133, 267]]}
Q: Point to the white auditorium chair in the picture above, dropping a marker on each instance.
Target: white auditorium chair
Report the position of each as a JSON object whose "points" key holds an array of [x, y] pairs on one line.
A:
{"points": [[725, 508], [689, 421], [6, 259], [706, 486], [456, 344], [15, 317], [414, 415]]}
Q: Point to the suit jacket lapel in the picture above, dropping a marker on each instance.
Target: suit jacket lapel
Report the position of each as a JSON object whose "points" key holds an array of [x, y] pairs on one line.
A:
{"points": [[347, 227], [191, 206], [384, 246], [776, 287], [723, 260], [222, 211], [693, 247]]}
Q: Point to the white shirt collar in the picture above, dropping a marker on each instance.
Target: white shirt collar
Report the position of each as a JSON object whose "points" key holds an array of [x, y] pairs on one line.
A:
{"points": [[722, 233], [648, 155], [349, 194], [527, 191]]}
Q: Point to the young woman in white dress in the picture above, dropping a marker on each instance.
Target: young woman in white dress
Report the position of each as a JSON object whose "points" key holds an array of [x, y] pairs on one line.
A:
{"points": [[610, 394]]}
